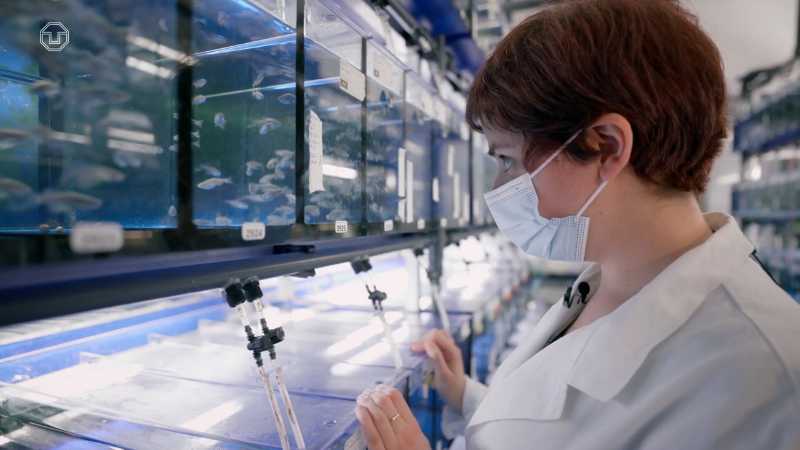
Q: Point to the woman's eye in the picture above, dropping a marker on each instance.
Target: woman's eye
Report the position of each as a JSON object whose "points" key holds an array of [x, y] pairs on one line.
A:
{"points": [[505, 162]]}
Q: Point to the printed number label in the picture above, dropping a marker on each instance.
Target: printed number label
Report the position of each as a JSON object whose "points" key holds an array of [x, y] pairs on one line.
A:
{"points": [[341, 226], [96, 237], [253, 231]]}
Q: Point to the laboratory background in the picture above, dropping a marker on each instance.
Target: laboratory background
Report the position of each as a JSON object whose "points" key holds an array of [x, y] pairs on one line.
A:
{"points": [[222, 220]]}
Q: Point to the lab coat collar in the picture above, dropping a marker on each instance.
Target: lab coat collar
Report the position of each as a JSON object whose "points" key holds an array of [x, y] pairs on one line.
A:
{"points": [[622, 339], [525, 387], [602, 357]]}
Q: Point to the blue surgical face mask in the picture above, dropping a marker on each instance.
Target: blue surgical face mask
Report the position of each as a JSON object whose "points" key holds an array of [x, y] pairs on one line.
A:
{"points": [[515, 208]]}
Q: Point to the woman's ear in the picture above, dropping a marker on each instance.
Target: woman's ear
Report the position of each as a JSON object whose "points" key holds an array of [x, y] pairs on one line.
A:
{"points": [[612, 136]]}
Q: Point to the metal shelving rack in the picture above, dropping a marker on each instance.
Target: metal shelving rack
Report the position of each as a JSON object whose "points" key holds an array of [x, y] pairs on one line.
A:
{"points": [[767, 199]]}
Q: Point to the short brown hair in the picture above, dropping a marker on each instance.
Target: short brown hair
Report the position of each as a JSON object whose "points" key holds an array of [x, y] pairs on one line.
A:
{"points": [[647, 60]]}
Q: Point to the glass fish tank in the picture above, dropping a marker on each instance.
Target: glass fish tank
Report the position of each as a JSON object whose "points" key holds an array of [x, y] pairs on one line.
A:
{"points": [[334, 92], [88, 127], [484, 169], [384, 136], [243, 114], [451, 184], [417, 159]]}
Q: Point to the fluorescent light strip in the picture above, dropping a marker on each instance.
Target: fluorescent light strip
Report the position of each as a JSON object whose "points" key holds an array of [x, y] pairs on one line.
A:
{"points": [[131, 135], [346, 173], [148, 67], [69, 137], [155, 47], [134, 147]]}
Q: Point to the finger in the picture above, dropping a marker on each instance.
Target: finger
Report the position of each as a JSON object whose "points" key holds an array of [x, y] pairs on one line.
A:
{"points": [[438, 359], [399, 403], [369, 430], [380, 419], [447, 345], [386, 404], [419, 345]]}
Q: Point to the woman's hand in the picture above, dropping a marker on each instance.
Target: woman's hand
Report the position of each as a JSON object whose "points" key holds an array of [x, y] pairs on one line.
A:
{"points": [[387, 422], [448, 363]]}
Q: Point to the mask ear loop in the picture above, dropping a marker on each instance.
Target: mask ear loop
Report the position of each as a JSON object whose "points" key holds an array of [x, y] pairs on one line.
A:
{"points": [[592, 197], [555, 153]]}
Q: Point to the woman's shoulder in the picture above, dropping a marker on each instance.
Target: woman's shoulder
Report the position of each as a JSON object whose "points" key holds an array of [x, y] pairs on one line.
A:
{"points": [[747, 329]]}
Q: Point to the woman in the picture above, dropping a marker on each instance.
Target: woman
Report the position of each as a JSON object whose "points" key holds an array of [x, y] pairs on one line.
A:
{"points": [[607, 115]]}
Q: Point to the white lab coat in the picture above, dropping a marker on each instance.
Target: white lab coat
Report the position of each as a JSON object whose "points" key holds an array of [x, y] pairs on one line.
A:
{"points": [[705, 356]]}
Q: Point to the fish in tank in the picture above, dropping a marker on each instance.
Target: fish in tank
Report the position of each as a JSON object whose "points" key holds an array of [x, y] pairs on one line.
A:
{"points": [[89, 133]]}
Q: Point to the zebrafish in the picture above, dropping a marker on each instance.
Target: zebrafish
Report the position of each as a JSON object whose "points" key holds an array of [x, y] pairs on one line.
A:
{"points": [[219, 120], [14, 187], [222, 220], [259, 79], [212, 183], [312, 210], [10, 137], [199, 99], [47, 88], [258, 95], [222, 18], [238, 204], [265, 124], [172, 211], [126, 159], [68, 201], [86, 176], [209, 169], [251, 167], [337, 214], [199, 83], [286, 99]]}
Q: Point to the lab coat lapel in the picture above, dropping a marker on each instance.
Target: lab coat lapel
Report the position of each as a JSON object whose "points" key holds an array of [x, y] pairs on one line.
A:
{"points": [[554, 321], [532, 382]]}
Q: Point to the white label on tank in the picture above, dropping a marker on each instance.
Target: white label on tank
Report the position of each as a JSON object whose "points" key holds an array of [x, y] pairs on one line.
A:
{"points": [[315, 153], [443, 222], [441, 113], [352, 81], [436, 190], [341, 226], [401, 209], [421, 224], [409, 191], [383, 71], [401, 172], [253, 231], [456, 196], [388, 225], [96, 237], [466, 206], [451, 163]]}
